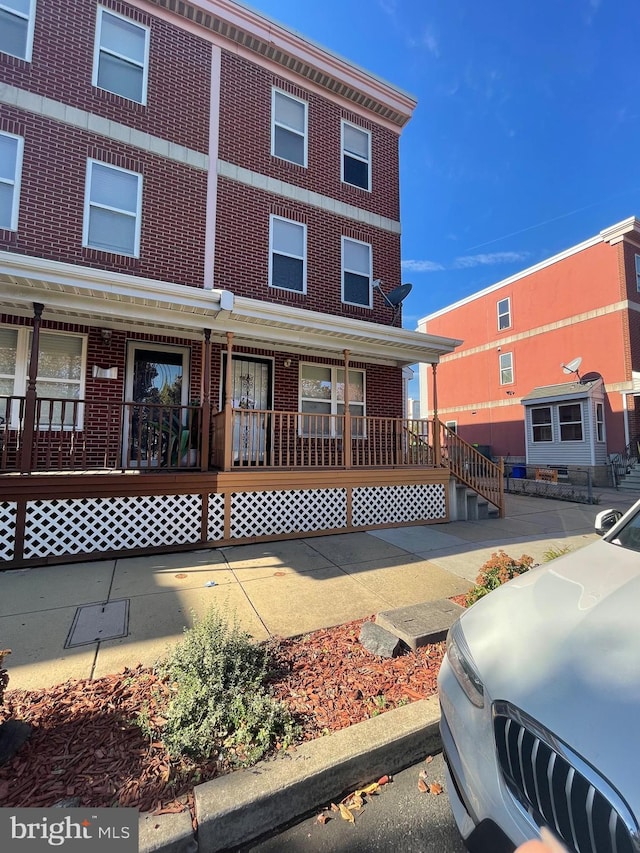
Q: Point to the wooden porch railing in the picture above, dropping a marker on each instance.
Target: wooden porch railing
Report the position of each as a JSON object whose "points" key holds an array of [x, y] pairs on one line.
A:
{"points": [[472, 468]]}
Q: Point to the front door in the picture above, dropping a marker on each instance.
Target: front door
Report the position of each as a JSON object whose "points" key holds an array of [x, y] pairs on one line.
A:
{"points": [[251, 380], [157, 375]]}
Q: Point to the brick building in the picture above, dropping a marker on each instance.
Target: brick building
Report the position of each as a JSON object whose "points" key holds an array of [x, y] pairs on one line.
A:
{"points": [[503, 388], [199, 221]]}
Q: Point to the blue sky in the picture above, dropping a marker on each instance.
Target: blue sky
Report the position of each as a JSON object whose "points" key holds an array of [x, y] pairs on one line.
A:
{"points": [[525, 140]]}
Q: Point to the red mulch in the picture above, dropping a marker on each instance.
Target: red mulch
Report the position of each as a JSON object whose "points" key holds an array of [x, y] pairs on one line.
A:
{"points": [[85, 742]]}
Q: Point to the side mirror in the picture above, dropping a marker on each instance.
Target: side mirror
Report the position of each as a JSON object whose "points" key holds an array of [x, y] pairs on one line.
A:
{"points": [[606, 519]]}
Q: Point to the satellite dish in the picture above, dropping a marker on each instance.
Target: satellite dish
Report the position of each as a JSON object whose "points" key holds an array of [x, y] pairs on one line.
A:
{"points": [[572, 366], [591, 377], [395, 298]]}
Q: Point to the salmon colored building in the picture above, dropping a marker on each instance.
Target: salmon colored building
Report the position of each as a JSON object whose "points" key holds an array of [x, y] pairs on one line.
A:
{"points": [[503, 388]]}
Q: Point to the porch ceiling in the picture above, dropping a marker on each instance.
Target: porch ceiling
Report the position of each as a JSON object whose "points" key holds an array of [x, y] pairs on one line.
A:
{"points": [[77, 294]]}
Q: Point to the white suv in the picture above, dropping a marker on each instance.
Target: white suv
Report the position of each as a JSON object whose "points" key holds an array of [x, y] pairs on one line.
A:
{"points": [[540, 700]]}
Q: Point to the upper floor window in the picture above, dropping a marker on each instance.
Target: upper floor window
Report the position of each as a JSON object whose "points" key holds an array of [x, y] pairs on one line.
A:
{"points": [[638, 273], [16, 27], [61, 372], [287, 255], [322, 398], [113, 200], [504, 313], [570, 417], [541, 423], [121, 56], [356, 272], [10, 172], [289, 128], [356, 156], [506, 368]]}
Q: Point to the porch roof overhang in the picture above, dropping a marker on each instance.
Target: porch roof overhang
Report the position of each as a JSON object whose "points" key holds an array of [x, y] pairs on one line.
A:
{"points": [[78, 294]]}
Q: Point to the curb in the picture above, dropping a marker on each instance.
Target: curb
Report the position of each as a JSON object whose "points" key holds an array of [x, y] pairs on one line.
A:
{"points": [[246, 804]]}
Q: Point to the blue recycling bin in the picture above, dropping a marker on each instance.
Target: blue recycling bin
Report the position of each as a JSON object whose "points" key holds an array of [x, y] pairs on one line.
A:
{"points": [[519, 472]]}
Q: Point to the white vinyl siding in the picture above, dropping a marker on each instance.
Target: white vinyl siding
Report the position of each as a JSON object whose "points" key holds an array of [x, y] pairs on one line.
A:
{"points": [[11, 148], [121, 57], [113, 201], [356, 156], [357, 264], [287, 255], [289, 128], [16, 27]]}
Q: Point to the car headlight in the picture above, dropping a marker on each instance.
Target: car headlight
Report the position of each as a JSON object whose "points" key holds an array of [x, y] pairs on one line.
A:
{"points": [[463, 665]]}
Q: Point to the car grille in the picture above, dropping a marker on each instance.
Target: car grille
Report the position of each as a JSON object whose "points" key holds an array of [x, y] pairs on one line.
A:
{"points": [[559, 789]]}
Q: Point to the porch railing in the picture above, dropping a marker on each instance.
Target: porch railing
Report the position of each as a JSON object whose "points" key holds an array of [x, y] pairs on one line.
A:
{"points": [[471, 467], [89, 435]]}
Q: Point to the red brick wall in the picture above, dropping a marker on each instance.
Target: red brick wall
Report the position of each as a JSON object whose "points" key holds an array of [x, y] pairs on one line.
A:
{"points": [[61, 68], [52, 202], [245, 139], [242, 252]]}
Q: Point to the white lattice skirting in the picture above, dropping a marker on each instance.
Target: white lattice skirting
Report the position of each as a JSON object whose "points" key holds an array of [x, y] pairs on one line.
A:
{"points": [[215, 522], [7, 529], [87, 525], [294, 511], [396, 504]]}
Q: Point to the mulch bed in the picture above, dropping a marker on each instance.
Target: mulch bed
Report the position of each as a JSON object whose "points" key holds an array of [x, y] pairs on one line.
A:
{"points": [[85, 742]]}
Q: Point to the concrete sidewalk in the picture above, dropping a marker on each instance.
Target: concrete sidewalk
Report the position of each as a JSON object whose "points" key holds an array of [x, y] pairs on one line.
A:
{"points": [[282, 588]]}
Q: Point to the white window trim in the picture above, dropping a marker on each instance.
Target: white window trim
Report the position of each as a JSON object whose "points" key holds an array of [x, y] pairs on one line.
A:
{"points": [[506, 313], [31, 19], [97, 49], [334, 402], [88, 204], [503, 355], [272, 219], [548, 423], [600, 422], [344, 153], [275, 91], [17, 181], [21, 376], [343, 270], [562, 423]]}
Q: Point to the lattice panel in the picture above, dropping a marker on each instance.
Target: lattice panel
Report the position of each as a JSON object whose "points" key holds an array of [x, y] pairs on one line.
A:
{"points": [[215, 525], [396, 504], [295, 511], [86, 525], [7, 529]]}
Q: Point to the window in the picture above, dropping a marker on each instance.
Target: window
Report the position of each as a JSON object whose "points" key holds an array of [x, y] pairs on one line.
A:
{"points": [[121, 56], [638, 273], [356, 156], [600, 420], [10, 173], [61, 371], [452, 426], [541, 423], [570, 417], [504, 313], [322, 395], [16, 27], [287, 255], [356, 272], [112, 209], [289, 128], [506, 368]]}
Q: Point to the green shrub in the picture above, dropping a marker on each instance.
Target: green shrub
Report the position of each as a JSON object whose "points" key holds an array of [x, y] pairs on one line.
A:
{"points": [[554, 553], [219, 703], [496, 571]]}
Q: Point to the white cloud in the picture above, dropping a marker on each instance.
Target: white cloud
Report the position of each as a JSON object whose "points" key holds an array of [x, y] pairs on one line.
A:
{"points": [[488, 259], [422, 266]]}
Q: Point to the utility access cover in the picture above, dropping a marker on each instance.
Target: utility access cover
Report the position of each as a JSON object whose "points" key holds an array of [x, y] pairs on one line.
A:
{"points": [[95, 622]]}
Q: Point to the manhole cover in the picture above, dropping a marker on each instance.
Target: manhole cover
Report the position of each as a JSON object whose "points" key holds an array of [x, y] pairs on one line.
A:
{"points": [[95, 622]]}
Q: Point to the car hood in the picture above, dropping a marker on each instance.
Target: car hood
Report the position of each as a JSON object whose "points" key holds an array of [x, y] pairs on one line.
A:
{"points": [[562, 642]]}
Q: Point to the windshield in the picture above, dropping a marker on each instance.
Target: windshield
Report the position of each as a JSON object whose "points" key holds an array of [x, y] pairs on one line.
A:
{"points": [[629, 535]]}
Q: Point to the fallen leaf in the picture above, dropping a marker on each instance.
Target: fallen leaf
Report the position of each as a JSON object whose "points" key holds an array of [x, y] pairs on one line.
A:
{"points": [[435, 788], [334, 807], [422, 786], [370, 789], [345, 814], [322, 819], [428, 759], [383, 780]]}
